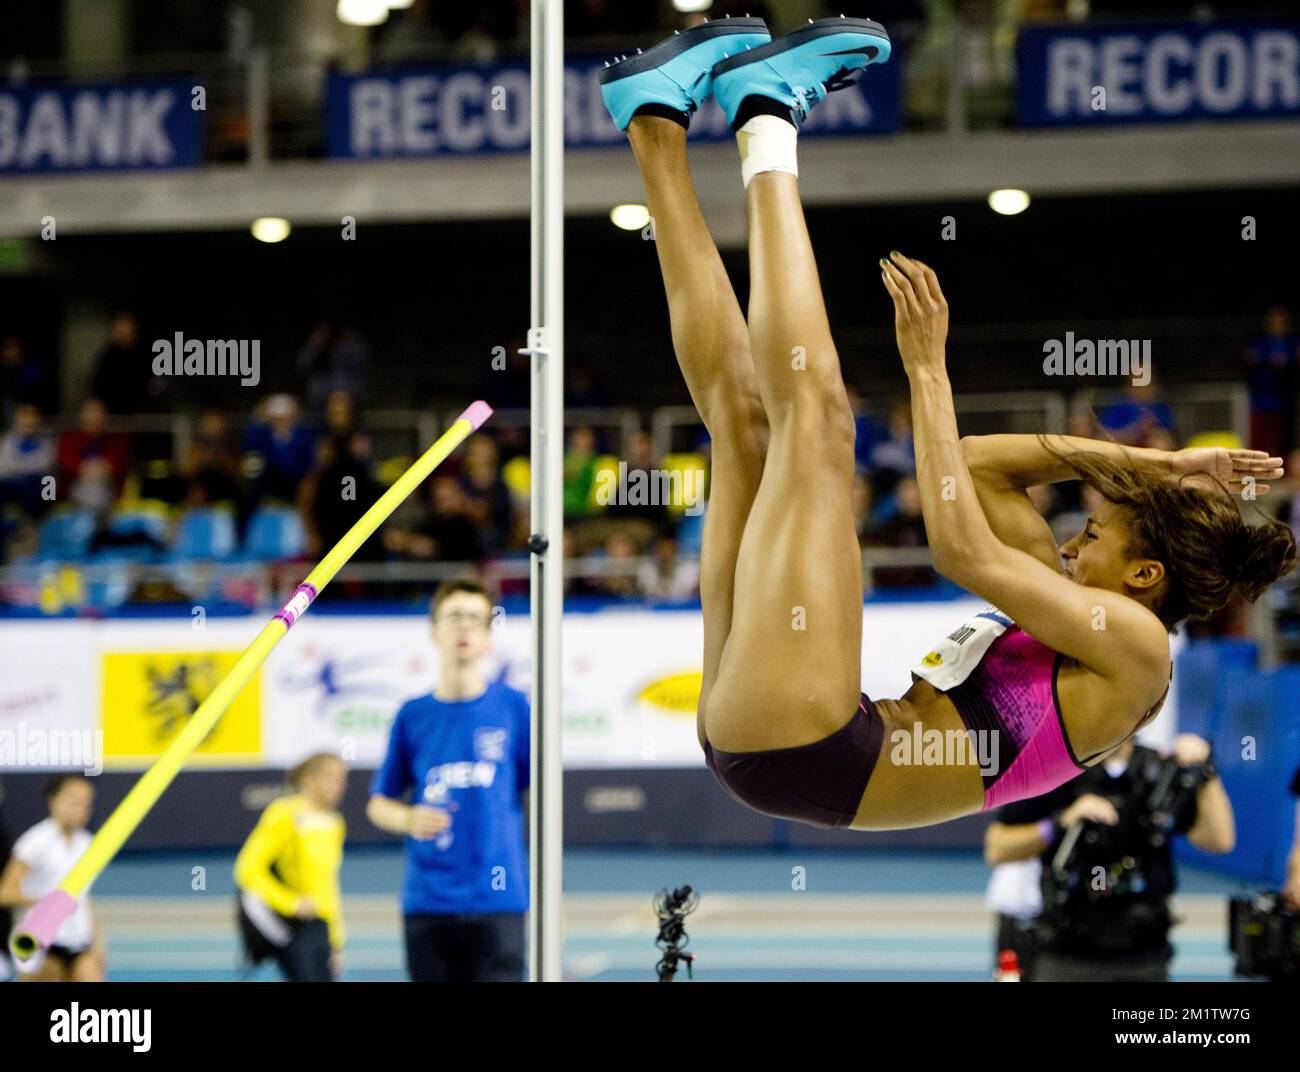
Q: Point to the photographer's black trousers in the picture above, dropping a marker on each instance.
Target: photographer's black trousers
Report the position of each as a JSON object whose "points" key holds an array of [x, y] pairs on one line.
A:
{"points": [[1055, 968]]}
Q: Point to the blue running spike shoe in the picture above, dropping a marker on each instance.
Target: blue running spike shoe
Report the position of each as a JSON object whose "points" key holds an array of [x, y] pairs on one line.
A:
{"points": [[800, 68], [676, 73]]}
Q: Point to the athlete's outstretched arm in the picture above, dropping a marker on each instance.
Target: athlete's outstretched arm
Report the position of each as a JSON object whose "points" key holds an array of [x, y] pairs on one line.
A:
{"points": [[1133, 648], [1004, 466], [1025, 460]]}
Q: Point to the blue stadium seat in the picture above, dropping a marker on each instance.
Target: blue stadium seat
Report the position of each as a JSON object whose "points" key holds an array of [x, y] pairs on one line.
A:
{"points": [[144, 520], [65, 536], [274, 533], [205, 533], [144, 523]]}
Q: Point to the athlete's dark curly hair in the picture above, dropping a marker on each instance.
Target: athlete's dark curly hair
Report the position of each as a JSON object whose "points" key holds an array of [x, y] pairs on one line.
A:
{"points": [[1193, 526]]}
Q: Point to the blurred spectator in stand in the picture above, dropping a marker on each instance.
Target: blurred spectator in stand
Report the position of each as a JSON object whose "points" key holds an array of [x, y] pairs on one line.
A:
{"points": [[619, 578], [486, 494], [341, 420], [666, 575], [1271, 376], [443, 531], [1139, 419], [579, 472], [643, 499], [905, 528], [576, 582], [341, 487], [93, 462], [332, 360], [22, 379], [26, 458], [278, 451], [893, 457], [124, 379], [210, 467]]}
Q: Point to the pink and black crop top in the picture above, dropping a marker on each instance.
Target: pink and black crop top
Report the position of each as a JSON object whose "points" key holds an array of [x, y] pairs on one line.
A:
{"points": [[1003, 683]]}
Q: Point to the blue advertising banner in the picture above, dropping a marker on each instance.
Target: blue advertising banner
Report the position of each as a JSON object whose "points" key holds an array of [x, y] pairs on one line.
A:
{"points": [[484, 109], [105, 127], [1157, 73]]}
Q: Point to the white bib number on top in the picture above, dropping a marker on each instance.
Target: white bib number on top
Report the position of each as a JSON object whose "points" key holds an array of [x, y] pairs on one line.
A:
{"points": [[956, 656]]}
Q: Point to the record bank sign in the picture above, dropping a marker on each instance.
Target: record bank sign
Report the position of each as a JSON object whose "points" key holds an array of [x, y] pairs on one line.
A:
{"points": [[443, 110], [108, 127], [1157, 73]]}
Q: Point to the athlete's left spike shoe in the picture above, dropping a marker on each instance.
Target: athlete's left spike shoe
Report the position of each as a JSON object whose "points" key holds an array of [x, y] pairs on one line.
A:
{"points": [[676, 73], [799, 69]]}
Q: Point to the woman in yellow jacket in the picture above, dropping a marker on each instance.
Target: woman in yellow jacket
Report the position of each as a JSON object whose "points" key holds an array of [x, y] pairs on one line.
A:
{"points": [[288, 875]]}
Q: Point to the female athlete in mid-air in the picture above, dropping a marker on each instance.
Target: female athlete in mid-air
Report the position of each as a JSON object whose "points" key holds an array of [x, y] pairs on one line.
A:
{"points": [[1074, 655]]}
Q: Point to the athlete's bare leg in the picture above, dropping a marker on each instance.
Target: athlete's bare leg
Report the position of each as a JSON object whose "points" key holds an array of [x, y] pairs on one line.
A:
{"points": [[791, 670], [712, 345]]}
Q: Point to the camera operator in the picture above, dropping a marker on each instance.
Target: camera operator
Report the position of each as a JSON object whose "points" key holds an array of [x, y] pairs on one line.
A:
{"points": [[1104, 840]]}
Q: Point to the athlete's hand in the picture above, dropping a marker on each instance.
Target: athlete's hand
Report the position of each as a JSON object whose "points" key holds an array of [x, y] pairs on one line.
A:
{"points": [[1231, 467], [920, 312], [1090, 806], [427, 822], [306, 908]]}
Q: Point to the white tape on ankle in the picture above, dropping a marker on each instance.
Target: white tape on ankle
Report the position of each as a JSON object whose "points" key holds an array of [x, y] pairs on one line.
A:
{"points": [[767, 143]]}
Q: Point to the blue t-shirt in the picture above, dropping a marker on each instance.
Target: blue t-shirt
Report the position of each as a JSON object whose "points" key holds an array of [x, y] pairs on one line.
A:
{"points": [[469, 757]]}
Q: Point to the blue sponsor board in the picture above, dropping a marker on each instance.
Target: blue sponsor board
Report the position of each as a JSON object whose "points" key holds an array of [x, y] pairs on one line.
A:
{"points": [[115, 126], [1157, 73], [484, 109]]}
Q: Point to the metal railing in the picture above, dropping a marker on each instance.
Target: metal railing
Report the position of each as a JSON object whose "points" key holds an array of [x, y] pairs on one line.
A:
{"points": [[61, 586], [1020, 411], [622, 420], [980, 412]]}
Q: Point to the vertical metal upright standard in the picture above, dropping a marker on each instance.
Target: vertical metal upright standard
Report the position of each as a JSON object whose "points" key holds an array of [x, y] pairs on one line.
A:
{"points": [[546, 544]]}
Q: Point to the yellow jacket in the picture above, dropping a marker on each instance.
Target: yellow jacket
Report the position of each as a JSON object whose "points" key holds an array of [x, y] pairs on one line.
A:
{"points": [[295, 852]]}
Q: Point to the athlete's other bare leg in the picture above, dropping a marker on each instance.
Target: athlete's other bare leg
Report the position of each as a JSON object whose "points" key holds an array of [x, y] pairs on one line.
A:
{"points": [[712, 345]]}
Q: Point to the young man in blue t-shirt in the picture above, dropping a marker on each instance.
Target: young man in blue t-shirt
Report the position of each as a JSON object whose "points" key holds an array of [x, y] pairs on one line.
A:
{"points": [[462, 752]]}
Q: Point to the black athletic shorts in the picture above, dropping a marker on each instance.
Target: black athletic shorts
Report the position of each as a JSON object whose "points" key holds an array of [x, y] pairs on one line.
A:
{"points": [[820, 784]]}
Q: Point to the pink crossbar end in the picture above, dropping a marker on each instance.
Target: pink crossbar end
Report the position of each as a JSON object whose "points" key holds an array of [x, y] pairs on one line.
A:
{"points": [[44, 921], [477, 413]]}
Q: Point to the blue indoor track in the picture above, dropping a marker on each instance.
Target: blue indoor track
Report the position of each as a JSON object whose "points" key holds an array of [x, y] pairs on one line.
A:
{"points": [[863, 916]]}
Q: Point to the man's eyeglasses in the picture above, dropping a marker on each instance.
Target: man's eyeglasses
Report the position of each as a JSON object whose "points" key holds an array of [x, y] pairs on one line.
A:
{"points": [[463, 617]]}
